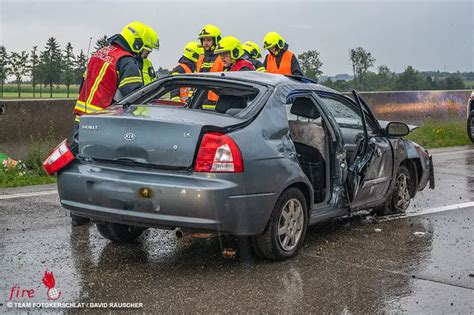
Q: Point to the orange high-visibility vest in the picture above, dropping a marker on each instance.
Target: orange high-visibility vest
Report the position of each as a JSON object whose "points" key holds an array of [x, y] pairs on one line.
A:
{"points": [[100, 81], [199, 63], [217, 66], [285, 64], [184, 91]]}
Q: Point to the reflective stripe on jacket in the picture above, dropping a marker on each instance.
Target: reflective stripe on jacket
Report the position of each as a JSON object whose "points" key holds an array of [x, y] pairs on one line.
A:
{"points": [[209, 63]]}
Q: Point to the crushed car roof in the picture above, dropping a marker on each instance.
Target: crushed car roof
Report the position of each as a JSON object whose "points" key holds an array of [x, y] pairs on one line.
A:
{"points": [[265, 78]]}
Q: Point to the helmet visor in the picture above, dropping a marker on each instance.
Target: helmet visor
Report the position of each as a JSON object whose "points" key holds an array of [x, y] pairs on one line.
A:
{"points": [[267, 45], [151, 46]]}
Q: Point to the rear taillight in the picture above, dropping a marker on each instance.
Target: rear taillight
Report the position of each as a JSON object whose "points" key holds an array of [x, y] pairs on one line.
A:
{"points": [[218, 153], [58, 158]]}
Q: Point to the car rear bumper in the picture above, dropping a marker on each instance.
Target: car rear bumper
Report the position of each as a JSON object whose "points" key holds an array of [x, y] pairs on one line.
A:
{"points": [[190, 201]]}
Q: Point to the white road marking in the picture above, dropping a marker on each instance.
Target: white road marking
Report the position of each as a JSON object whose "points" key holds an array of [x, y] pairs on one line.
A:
{"points": [[451, 152], [430, 211], [29, 194]]}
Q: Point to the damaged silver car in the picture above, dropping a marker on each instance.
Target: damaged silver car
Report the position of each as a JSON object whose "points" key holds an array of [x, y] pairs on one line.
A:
{"points": [[273, 156]]}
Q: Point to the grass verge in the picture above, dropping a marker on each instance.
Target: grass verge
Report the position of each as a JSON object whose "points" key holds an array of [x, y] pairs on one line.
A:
{"points": [[30, 171], [14, 178], [440, 134]]}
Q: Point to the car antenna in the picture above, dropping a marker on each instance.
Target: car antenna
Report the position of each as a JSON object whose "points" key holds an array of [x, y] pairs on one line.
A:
{"points": [[85, 79]]}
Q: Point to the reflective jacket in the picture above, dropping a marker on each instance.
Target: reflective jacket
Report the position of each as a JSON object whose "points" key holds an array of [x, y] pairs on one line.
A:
{"points": [[257, 64], [148, 72], [112, 72], [284, 63], [184, 66], [242, 65], [209, 62]]}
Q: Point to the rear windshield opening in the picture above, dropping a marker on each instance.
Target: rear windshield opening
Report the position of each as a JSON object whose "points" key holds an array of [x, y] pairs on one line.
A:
{"points": [[222, 99]]}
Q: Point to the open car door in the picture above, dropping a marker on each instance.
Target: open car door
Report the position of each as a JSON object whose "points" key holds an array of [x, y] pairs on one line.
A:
{"points": [[370, 172]]}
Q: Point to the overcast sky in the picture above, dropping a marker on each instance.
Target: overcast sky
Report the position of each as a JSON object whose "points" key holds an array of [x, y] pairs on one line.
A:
{"points": [[430, 35]]}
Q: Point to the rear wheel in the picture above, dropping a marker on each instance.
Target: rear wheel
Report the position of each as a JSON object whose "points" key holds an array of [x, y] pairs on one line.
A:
{"points": [[119, 233], [286, 228], [401, 197], [470, 126]]}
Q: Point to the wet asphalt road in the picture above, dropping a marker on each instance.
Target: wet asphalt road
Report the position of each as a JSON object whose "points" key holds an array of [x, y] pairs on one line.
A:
{"points": [[353, 265]]}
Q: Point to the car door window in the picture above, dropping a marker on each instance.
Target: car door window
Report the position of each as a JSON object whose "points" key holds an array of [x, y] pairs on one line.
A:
{"points": [[293, 117], [345, 115]]}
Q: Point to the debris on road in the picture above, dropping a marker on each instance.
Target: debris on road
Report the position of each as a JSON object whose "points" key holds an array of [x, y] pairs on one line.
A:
{"points": [[9, 163], [229, 253], [419, 233], [378, 230]]}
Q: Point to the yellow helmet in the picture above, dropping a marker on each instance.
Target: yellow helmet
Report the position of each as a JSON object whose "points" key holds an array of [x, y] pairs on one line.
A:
{"points": [[272, 39], [192, 51], [150, 39], [232, 45], [133, 35], [210, 31], [252, 49]]}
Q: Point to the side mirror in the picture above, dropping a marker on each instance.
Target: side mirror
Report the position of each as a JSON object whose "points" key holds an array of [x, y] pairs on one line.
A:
{"points": [[397, 129]]}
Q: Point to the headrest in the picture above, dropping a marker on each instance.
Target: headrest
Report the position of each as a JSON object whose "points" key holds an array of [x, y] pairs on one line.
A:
{"points": [[304, 107], [227, 102]]}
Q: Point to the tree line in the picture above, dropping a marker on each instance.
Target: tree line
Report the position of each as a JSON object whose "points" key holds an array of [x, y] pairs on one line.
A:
{"points": [[55, 65], [382, 80]]}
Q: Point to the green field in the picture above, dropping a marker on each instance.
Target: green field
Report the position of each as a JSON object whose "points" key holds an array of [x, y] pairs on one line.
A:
{"points": [[469, 84], [10, 91], [441, 134], [17, 179], [14, 95]]}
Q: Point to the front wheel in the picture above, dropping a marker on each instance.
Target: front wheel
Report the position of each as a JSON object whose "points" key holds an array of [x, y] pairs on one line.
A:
{"points": [[119, 233], [401, 197], [286, 228]]}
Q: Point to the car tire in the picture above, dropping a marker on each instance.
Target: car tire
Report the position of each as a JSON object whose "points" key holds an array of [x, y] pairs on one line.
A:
{"points": [[119, 233], [470, 126], [286, 229], [400, 199]]}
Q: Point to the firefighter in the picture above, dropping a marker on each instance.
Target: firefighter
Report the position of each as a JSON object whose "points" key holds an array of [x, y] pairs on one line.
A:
{"points": [[112, 73], [115, 70], [252, 53], [186, 64], [231, 52], [280, 59], [209, 37]]}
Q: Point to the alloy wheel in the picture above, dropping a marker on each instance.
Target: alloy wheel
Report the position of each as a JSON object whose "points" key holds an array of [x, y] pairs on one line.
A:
{"points": [[403, 193], [290, 224]]}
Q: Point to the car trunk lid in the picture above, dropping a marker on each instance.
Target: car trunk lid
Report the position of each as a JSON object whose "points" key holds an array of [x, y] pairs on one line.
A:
{"points": [[154, 136]]}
